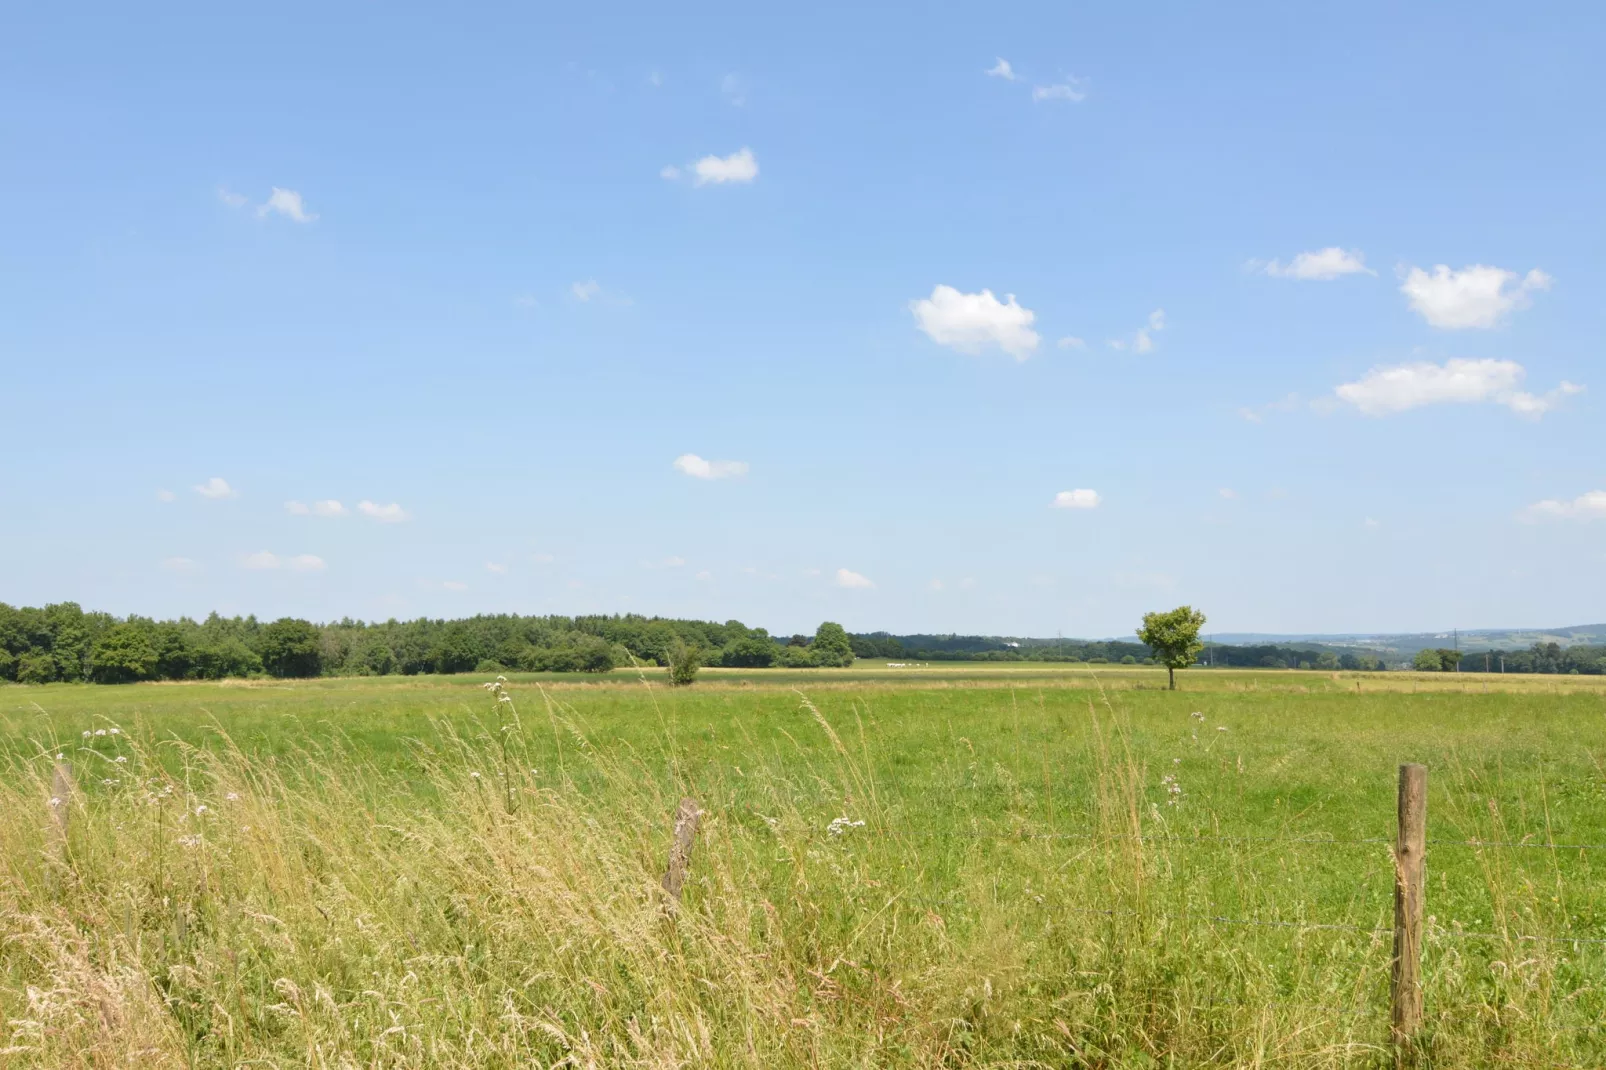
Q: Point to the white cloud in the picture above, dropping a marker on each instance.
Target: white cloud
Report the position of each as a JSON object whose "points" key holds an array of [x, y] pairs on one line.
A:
{"points": [[180, 564], [850, 579], [454, 585], [165, 496], [1228, 493], [1288, 403], [1070, 341], [970, 323], [733, 89], [739, 166], [385, 514], [327, 507], [585, 291], [935, 585], [1370, 524], [1070, 89], [542, 559], [1081, 498], [306, 563], [697, 468], [670, 171], [230, 198], [286, 202], [705, 575], [1476, 296], [1321, 266], [499, 569], [674, 562], [1386, 390], [216, 487], [1587, 506], [1142, 340], [262, 559], [1002, 69]]}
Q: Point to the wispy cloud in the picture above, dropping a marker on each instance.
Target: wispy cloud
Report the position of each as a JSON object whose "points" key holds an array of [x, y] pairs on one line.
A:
{"points": [[454, 585], [846, 577], [975, 322], [496, 567], [262, 559], [216, 487], [1001, 69], [328, 507], [585, 291], [1476, 296], [180, 564], [1257, 414], [288, 203], [694, 466], [166, 496], [1323, 265], [230, 198], [734, 89], [265, 560], [385, 514], [1081, 498], [1590, 505], [1070, 341], [542, 559], [1399, 388], [1069, 90], [1142, 340]]}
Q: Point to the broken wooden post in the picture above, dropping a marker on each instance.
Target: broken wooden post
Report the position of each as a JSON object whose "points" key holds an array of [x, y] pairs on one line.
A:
{"points": [[686, 818]]}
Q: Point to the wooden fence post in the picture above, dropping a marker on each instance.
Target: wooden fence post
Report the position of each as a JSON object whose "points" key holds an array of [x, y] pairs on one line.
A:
{"points": [[60, 799], [1410, 857], [686, 818]]}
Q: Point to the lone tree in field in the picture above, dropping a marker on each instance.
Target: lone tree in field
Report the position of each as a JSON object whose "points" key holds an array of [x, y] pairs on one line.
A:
{"points": [[1173, 637]]}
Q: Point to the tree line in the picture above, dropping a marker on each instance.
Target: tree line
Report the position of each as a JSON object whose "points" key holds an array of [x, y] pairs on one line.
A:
{"points": [[64, 642]]}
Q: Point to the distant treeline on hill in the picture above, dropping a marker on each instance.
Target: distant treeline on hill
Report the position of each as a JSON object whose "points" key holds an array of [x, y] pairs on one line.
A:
{"points": [[63, 642]]}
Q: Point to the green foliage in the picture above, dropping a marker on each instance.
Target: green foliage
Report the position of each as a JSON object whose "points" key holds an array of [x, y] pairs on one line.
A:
{"points": [[1173, 637], [291, 648], [123, 655], [489, 667], [754, 652], [36, 669], [684, 661], [831, 647], [593, 654], [1428, 661]]}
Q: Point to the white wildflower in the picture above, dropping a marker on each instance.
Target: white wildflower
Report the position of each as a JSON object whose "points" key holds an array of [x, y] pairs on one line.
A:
{"points": [[232, 796], [475, 775], [55, 800], [201, 809], [1196, 715], [86, 733], [61, 757], [839, 825], [189, 841], [1221, 728], [117, 731], [100, 731], [120, 759]]}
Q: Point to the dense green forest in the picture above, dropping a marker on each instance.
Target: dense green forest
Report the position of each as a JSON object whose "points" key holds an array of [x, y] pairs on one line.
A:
{"points": [[63, 642]]}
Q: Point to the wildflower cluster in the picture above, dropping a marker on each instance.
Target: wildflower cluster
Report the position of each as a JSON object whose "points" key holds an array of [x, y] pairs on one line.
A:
{"points": [[840, 825], [1173, 789], [498, 688]]}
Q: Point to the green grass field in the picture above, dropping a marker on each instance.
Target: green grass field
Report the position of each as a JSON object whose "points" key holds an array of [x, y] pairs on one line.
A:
{"points": [[1055, 867]]}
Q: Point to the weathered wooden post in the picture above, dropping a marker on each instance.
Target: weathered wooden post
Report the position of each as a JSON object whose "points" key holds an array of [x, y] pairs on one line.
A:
{"points": [[60, 800], [687, 815], [1410, 857]]}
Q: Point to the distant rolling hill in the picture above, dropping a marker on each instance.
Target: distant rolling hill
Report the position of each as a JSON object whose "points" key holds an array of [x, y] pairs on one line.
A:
{"points": [[1408, 643]]}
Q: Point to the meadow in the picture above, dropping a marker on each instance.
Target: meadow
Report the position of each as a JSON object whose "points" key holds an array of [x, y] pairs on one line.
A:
{"points": [[941, 866]]}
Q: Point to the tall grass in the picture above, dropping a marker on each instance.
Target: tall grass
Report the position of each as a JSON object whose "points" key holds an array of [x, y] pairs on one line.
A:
{"points": [[496, 903]]}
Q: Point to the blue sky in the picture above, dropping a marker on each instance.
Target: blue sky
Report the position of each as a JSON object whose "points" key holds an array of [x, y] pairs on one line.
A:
{"points": [[709, 313]]}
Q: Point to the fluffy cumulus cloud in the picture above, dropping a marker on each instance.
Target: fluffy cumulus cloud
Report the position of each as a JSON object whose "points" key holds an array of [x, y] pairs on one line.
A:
{"points": [[1002, 69], [216, 487], [266, 560], [327, 507], [694, 466], [1081, 498], [739, 166], [262, 559], [1386, 390], [1476, 296], [1588, 506], [974, 323], [288, 203], [846, 577], [1323, 265], [385, 514]]}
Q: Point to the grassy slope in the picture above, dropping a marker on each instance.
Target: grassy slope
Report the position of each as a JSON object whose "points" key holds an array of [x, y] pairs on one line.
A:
{"points": [[996, 905]]}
